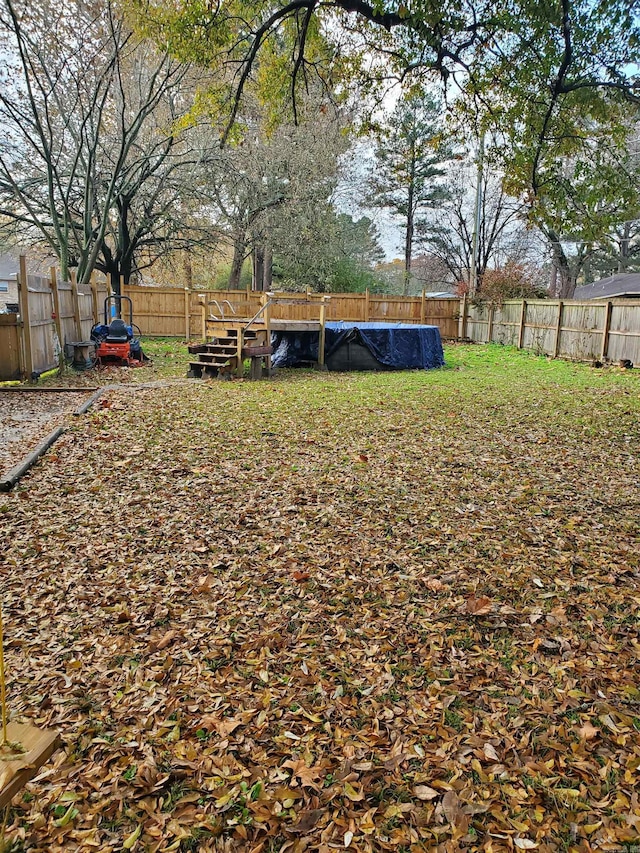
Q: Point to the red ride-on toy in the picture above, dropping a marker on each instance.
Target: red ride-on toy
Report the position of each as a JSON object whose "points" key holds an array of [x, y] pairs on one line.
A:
{"points": [[115, 341]]}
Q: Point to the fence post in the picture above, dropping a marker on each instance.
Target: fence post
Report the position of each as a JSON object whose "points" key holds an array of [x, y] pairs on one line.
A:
{"points": [[23, 298], [490, 322], [523, 316], [605, 331], [367, 306], [462, 319], [76, 306], [94, 297], [187, 313], [267, 325], [203, 309], [53, 280], [321, 336], [556, 346], [423, 308]]}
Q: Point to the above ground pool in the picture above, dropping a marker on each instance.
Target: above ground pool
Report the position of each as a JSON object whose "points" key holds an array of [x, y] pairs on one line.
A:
{"points": [[362, 346]]}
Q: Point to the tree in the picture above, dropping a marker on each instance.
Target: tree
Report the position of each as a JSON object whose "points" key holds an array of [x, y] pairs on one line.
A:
{"points": [[91, 161], [274, 191], [472, 42], [542, 75], [557, 95], [590, 198], [340, 257], [502, 237], [618, 252], [409, 158]]}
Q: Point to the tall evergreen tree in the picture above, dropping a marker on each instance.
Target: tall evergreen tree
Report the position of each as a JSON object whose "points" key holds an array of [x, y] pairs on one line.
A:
{"points": [[410, 159]]}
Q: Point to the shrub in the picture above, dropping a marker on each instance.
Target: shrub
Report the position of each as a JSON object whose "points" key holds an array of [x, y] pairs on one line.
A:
{"points": [[512, 281]]}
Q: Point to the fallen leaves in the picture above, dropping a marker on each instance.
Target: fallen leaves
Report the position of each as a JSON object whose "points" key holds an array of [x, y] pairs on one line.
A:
{"points": [[165, 640], [477, 606], [424, 792], [279, 647], [27, 417]]}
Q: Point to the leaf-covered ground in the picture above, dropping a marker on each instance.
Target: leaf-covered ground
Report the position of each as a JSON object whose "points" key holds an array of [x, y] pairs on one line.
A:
{"points": [[26, 417], [376, 612], [168, 358]]}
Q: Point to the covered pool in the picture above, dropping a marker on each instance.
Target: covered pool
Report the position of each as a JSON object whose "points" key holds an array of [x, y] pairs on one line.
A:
{"points": [[361, 346]]}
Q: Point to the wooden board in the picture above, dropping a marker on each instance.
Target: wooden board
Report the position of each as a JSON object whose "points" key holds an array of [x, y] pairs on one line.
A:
{"points": [[295, 325], [254, 352], [39, 746]]}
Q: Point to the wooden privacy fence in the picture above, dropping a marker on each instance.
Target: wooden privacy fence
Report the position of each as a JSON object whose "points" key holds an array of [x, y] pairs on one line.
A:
{"points": [[582, 331], [177, 311], [52, 313]]}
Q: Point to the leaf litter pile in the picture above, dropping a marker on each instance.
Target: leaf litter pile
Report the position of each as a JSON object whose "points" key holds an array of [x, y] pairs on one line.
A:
{"points": [[376, 612]]}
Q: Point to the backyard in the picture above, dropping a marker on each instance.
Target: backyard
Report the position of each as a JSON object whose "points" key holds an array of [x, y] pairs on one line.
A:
{"points": [[390, 611]]}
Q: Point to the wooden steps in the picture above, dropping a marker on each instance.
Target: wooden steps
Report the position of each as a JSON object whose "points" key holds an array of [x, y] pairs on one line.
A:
{"points": [[226, 352]]}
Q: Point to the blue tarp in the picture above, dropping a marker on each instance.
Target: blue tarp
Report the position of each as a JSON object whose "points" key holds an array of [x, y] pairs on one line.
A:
{"points": [[393, 345]]}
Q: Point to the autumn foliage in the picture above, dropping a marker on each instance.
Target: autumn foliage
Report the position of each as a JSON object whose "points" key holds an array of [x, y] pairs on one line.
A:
{"points": [[512, 281]]}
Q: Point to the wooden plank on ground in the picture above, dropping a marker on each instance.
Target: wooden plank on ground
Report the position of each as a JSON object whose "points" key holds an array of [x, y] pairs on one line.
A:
{"points": [[38, 744]]}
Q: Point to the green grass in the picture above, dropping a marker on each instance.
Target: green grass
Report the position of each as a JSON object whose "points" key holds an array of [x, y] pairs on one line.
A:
{"points": [[468, 368]]}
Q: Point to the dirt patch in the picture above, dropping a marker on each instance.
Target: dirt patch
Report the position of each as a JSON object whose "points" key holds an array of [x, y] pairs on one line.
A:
{"points": [[27, 417]]}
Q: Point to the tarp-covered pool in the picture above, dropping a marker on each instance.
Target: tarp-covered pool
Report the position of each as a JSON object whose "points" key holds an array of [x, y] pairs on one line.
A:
{"points": [[362, 346]]}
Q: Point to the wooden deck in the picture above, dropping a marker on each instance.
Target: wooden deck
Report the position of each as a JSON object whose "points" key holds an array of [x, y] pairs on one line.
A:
{"points": [[274, 325]]}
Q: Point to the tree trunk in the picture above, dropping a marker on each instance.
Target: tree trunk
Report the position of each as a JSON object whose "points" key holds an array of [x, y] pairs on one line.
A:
{"points": [[567, 274], [111, 267], [239, 249], [126, 268], [567, 283], [258, 268], [408, 240], [267, 272], [623, 260], [407, 259], [188, 270], [553, 281]]}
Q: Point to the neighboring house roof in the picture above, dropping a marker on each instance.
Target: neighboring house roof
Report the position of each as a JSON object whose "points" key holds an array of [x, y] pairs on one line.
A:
{"points": [[441, 294], [37, 264], [622, 284], [8, 267]]}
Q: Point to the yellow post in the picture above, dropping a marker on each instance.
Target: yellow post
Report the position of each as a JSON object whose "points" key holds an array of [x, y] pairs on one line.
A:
{"points": [[3, 685]]}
